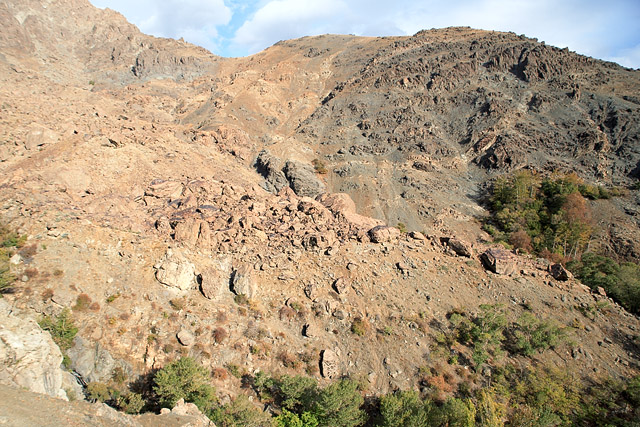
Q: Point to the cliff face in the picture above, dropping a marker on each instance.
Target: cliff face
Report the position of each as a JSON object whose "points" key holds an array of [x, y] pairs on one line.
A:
{"points": [[157, 182]]}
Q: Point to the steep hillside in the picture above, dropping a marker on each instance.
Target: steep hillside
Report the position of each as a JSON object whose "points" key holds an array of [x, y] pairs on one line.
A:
{"points": [[243, 212]]}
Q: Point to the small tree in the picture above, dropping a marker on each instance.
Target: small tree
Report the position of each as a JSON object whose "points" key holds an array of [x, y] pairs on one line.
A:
{"points": [[338, 405], [184, 379], [404, 409]]}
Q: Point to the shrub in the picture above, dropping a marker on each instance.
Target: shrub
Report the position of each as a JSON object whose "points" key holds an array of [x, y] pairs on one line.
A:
{"points": [[359, 326], [239, 413], [532, 334], [404, 409], [219, 335], [184, 379], [83, 301], [131, 403], [296, 393], [290, 419], [98, 392], [320, 166], [620, 281], [288, 360], [111, 298], [61, 328], [339, 405]]}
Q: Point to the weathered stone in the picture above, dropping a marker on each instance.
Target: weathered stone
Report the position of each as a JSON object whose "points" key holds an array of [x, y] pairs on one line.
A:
{"points": [[500, 261], [164, 189], [28, 356], [342, 206], [90, 360], [175, 271], [214, 281], [309, 330], [186, 337], [341, 285], [39, 136], [383, 233], [600, 291], [270, 167], [460, 247], [558, 272], [417, 235], [302, 179], [187, 231], [242, 282], [330, 364]]}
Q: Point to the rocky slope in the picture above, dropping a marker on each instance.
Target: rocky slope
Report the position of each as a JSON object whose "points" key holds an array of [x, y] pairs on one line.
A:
{"points": [[154, 181]]}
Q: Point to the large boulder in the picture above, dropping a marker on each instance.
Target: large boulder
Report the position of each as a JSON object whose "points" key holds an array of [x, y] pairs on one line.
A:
{"points": [[92, 361], [303, 179], [28, 356], [560, 273], [459, 246], [242, 282], [498, 260], [383, 233], [214, 280], [162, 189], [330, 364], [341, 205], [270, 167], [175, 271]]}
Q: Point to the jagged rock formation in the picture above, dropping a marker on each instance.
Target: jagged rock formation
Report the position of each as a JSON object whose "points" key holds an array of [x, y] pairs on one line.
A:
{"points": [[28, 356]]}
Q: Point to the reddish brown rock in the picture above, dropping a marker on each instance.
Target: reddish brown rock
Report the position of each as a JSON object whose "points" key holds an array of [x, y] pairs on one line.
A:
{"points": [[383, 233], [558, 272], [498, 260]]}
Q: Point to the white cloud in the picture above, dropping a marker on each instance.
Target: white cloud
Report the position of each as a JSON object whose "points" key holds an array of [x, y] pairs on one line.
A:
{"points": [[195, 20], [285, 19], [628, 57]]}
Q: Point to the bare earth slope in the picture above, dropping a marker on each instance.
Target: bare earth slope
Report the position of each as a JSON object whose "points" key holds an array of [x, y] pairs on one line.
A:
{"points": [[152, 176]]}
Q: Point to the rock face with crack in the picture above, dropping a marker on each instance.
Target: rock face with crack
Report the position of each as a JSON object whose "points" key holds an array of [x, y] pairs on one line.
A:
{"points": [[28, 356], [175, 271]]}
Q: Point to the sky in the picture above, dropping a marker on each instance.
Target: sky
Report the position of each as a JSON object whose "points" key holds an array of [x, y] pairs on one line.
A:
{"points": [[607, 30]]}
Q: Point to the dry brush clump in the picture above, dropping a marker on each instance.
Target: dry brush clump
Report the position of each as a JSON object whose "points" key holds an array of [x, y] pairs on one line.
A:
{"points": [[219, 335]]}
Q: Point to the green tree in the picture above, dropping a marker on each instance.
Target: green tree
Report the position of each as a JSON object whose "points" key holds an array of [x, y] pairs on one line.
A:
{"points": [[404, 409], [487, 411], [290, 419], [184, 379], [297, 393], [239, 413], [532, 334], [339, 405]]}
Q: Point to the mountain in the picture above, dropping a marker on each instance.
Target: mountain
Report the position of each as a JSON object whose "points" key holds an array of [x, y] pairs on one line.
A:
{"points": [[316, 208]]}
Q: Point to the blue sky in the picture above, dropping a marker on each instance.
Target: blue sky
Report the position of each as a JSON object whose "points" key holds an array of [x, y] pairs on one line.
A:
{"points": [[603, 29]]}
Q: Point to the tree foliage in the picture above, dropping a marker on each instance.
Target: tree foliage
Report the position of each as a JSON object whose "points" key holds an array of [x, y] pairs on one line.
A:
{"points": [[535, 214], [620, 281], [184, 379]]}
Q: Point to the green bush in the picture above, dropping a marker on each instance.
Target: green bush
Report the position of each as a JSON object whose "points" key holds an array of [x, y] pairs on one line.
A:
{"points": [[290, 419], [131, 403], [339, 405], [239, 413], [184, 379], [620, 281], [297, 393], [404, 409], [532, 334], [98, 392], [61, 328]]}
